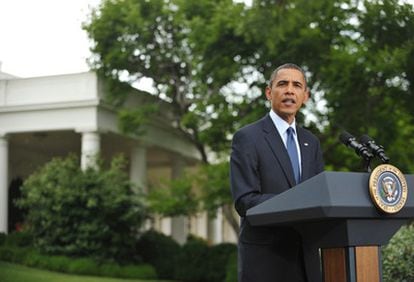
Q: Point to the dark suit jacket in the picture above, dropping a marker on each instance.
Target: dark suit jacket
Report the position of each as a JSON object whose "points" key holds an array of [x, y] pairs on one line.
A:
{"points": [[260, 168]]}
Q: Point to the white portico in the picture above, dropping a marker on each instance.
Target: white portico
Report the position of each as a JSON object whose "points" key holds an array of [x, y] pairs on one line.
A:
{"points": [[46, 117]]}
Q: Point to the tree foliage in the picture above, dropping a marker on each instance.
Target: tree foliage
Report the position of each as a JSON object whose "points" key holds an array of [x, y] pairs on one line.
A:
{"points": [[398, 256], [367, 84], [173, 198], [210, 59], [214, 184], [206, 189], [83, 213], [183, 47]]}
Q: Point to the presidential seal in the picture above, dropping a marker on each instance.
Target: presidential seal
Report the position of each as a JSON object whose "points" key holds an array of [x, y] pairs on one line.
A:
{"points": [[388, 188]]}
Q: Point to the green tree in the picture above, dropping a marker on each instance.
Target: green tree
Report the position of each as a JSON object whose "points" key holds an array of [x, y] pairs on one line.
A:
{"points": [[214, 182], [83, 213], [189, 49], [173, 198], [367, 84], [358, 55], [210, 59], [206, 189]]}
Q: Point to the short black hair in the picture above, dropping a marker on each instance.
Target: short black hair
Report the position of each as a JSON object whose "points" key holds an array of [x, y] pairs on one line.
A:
{"points": [[286, 66]]}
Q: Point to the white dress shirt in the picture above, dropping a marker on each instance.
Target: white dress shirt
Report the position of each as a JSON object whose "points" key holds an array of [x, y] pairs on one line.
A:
{"points": [[282, 127]]}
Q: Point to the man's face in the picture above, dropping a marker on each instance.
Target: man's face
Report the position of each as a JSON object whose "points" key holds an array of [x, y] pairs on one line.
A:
{"points": [[288, 93]]}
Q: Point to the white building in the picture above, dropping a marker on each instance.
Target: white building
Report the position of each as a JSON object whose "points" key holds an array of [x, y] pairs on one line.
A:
{"points": [[45, 117]]}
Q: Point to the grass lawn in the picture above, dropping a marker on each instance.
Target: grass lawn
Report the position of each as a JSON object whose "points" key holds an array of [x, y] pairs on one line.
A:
{"points": [[17, 273]]}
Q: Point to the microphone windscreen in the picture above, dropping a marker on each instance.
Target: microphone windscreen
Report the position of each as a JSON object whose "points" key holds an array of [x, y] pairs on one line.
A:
{"points": [[365, 139], [344, 137]]}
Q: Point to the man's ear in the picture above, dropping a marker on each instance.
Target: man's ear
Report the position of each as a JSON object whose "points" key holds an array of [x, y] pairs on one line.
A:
{"points": [[268, 92], [307, 95]]}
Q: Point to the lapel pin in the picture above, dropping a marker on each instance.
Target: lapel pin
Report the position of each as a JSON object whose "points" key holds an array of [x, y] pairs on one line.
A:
{"points": [[305, 144]]}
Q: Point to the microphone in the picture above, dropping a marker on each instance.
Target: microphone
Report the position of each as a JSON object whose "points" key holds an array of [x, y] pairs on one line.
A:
{"points": [[360, 149], [378, 150]]}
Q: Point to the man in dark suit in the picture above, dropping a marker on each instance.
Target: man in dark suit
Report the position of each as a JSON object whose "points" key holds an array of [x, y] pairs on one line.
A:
{"points": [[268, 158]]}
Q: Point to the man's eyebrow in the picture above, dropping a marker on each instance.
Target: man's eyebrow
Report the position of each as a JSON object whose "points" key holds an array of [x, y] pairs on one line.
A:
{"points": [[297, 82]]}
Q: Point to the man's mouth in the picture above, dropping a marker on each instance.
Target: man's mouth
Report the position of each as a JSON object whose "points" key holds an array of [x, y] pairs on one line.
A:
{"points": [[288, 101]]}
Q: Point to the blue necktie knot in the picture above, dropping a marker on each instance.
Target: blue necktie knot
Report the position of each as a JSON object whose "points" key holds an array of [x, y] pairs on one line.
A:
{"points": [[293, 153]]}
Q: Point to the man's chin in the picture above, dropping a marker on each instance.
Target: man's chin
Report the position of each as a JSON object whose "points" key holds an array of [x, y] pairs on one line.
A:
{"points": [[288, 112], [287, 116]]}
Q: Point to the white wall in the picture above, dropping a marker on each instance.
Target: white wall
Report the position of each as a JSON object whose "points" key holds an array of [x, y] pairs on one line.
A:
{"points": [[50, 89]]}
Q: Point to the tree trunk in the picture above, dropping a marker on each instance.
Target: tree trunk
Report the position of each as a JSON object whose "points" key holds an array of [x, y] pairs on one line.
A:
{"points": [[231, 218]]}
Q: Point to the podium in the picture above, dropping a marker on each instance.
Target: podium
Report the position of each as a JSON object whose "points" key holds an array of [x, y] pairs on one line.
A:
{"points": [[333, 211]]}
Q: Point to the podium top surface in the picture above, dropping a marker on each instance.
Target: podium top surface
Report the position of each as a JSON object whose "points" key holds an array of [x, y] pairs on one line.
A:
{"points": [[327, 196]]}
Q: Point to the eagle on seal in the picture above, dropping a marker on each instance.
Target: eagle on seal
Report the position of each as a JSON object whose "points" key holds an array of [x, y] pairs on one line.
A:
{"points": [[389, 187]]}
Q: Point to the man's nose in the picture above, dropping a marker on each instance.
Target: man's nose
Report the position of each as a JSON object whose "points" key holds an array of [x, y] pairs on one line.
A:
{"points": [[290, 88]]}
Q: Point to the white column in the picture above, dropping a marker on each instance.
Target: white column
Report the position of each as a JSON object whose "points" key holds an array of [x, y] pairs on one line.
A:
{"points": [[165, 225], [138, 173], [90, 149], [4, 177], [138, 167], [200, 225], [215, 228], [179, 224]]}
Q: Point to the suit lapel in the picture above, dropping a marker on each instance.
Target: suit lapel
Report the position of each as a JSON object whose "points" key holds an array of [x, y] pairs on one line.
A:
{"points": [[305, 153], [274, 140]]}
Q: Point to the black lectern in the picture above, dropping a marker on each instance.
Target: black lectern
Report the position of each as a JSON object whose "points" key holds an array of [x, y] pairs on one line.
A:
{"points": [[334, 211]]}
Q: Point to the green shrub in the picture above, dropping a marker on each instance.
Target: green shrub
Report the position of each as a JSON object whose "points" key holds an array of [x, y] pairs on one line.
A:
{"points": [[83, 266], [13, 253], [398, 256], [217, 261], [192, 262], [20, 239], [57, 263], [92, 213], [200, 262], [195, 261], [143, 271], [34, 259], [231, 270], [159, 250], [3, 237], [87, 266], [110, 270], [7, 253]]}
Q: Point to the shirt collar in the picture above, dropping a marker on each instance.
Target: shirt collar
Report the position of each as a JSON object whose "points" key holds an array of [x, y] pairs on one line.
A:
{"points": [[281, 124]]}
